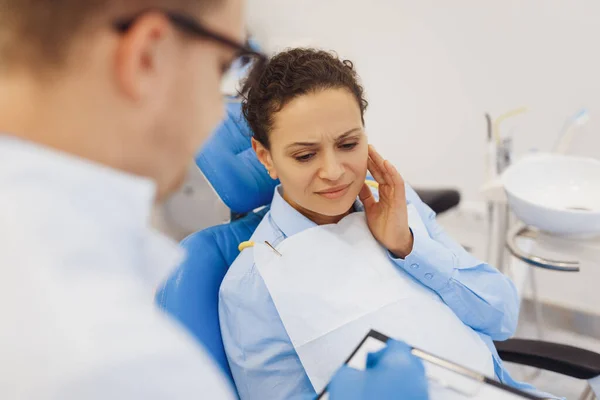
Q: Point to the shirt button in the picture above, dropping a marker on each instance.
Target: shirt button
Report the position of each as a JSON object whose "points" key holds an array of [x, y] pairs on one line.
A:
{"points": [[415, 266], [429, 276]]}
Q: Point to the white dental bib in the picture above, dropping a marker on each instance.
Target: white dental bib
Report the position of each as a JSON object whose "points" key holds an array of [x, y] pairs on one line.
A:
{"points": [[333, 283]]}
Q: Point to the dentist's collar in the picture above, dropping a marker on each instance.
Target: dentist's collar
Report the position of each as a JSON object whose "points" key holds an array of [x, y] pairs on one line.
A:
{"points": [[50, 188], [95, 187]]}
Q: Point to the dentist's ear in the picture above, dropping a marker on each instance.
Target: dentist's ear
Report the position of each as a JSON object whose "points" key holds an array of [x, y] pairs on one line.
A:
{"points": [[264, 156], [139, 59]]}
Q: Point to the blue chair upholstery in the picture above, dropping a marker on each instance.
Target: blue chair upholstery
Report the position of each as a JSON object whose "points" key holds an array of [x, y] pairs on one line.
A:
{"points": [[191, 294], [230, 165]]}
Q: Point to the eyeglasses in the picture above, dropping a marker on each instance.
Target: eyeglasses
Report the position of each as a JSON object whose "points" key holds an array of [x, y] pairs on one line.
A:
{"points": [[189, 25]]}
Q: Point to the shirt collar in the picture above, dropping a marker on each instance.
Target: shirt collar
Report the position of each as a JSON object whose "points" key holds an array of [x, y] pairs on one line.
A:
{"points": [[114, 204], [92, 185], [289, 220]]}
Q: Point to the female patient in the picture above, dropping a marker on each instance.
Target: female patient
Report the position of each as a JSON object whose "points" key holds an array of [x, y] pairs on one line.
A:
{"points": [[345, 257]]}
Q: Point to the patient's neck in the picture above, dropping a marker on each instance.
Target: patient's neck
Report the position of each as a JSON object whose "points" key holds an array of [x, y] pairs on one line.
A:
{"points": [[317, 218]]}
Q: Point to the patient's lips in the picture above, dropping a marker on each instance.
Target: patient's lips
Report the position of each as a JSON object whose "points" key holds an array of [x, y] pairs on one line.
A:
{"points": [[335, 192]]}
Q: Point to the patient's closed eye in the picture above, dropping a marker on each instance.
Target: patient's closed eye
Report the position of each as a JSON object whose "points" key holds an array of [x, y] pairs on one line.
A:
{"points": [[304, 157], [348, 146]]}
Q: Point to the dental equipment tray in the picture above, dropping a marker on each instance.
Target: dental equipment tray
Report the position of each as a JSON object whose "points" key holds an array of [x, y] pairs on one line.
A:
{"points": [[475, 385]]}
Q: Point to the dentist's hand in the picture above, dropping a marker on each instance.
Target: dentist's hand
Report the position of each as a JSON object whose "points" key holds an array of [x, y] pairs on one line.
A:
{"points": [[392, 373], [388, 217]]}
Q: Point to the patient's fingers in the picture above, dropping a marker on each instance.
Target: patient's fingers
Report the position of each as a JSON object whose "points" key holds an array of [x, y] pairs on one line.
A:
{"points": [[377, 158], [377, 173], [376, 165], [382, 165], [366, 196], [397, 181]]}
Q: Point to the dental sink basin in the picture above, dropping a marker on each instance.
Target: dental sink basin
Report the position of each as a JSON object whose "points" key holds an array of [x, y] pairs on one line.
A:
{"points": [[555, 193]]}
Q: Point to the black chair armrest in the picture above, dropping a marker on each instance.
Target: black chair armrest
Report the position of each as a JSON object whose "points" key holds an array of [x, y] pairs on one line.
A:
{"points": [[566, 360], [439, 200]]}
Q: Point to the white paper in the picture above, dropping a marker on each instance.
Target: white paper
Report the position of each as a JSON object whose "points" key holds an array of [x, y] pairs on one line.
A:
{"points": [[335, 283]]}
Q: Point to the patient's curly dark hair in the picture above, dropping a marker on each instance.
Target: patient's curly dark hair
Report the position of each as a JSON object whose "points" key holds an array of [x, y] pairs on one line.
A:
{"points": [[289, 74]]}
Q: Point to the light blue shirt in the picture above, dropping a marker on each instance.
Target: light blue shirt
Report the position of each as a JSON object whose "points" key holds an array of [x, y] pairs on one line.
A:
{"points": [[262, 358]]}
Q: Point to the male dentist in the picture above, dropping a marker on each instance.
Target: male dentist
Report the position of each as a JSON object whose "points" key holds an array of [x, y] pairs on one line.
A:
{"points": [[103, 104]]}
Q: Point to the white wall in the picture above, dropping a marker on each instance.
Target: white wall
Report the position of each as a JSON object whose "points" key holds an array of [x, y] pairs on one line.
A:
{"points": [[433, 68], [194, 207]]}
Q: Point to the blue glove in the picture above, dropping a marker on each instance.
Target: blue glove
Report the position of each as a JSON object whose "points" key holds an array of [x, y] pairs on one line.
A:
{"points": [[391, 373]]}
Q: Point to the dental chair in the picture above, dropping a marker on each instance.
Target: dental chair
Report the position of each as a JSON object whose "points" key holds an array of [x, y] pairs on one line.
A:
{"points": [[190, 295]]}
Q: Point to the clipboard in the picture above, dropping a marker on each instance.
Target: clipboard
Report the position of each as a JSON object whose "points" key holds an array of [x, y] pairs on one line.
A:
{"points": [[472, 381]]}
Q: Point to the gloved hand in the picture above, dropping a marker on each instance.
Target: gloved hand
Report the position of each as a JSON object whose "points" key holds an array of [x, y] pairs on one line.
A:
{"points": [[391, 373]]}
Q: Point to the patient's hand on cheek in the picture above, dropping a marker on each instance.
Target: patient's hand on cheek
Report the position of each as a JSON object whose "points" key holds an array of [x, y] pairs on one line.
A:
{"points": [[388, 217]]}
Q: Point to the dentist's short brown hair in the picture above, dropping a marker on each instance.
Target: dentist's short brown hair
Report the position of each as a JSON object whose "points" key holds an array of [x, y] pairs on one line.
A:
{"points": [[39, 34]]}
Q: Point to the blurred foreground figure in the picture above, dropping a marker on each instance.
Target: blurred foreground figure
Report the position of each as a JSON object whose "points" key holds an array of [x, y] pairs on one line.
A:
{"points": [[103, 104], [102, 108]]}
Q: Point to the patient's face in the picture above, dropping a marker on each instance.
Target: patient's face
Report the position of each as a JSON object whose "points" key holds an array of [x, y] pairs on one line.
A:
{"points": [[319, 152]]}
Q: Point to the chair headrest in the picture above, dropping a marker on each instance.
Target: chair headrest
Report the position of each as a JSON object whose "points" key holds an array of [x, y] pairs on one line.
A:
{"points": [[230, 164]]}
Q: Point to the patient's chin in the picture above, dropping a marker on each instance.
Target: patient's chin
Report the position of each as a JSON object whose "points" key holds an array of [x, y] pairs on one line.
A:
{"points": [[334, 208]]}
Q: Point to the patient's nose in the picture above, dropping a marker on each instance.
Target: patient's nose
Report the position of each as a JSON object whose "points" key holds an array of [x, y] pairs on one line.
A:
{"points": [[331, 169]]}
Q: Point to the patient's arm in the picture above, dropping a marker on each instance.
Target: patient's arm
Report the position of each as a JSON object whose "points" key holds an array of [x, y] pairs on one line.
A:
{"points": [[478, 293], [262, 358]]}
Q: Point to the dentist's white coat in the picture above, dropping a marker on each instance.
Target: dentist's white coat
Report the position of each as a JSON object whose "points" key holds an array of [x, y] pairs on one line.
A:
{"points": [[79, 266]]}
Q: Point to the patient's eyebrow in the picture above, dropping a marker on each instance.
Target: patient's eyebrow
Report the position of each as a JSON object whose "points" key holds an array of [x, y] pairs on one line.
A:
{"points": [[314, 144], [302, 144], [345, 135]]}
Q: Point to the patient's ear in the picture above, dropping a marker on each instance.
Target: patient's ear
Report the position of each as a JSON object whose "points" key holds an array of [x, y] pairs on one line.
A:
{"points": [[264, 156]]}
